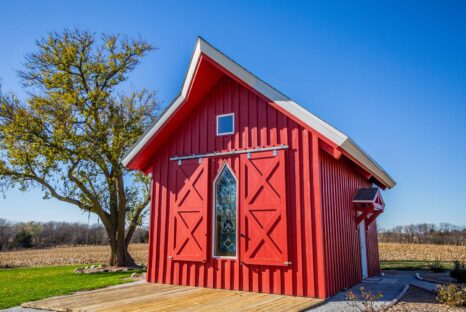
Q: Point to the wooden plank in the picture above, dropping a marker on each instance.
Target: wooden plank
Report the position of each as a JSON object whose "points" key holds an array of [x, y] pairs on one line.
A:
{"points": [[153, 302]]}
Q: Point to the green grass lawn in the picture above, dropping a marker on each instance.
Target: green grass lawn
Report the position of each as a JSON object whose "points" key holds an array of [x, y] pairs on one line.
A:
{"points": [[411, 265], [19, 285]]}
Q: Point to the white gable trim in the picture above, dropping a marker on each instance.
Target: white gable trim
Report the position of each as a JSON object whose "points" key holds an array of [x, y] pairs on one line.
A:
{"points": [[340, 139]]}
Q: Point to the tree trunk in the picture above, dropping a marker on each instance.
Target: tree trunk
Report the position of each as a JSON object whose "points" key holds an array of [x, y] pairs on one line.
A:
{"points": [[119, 254]]}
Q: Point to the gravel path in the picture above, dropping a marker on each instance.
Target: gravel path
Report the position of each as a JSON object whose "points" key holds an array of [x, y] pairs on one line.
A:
{"points": [[390, 285]]}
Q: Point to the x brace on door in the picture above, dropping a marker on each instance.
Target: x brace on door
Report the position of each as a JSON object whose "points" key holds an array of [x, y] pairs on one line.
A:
{"points": [[189, 213], [263, 231], [263, 214]]}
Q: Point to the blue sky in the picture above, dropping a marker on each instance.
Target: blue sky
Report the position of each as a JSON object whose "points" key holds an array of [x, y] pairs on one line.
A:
{"points": [[392, 75]]}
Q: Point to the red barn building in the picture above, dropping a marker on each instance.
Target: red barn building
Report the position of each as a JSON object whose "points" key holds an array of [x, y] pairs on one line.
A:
{"points": [[253, 192]]}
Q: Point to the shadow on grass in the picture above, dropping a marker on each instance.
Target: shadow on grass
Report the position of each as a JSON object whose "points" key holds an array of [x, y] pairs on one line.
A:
{"points": [[412, 265]]}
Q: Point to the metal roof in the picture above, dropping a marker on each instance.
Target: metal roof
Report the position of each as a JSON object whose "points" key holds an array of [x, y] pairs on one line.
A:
{"points": [[366, 194]]}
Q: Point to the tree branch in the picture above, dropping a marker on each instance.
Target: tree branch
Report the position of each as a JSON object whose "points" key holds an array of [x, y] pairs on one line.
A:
{"points": [[118, 69], [96, 207], [134, 222], [34, 177], [81, 185]]}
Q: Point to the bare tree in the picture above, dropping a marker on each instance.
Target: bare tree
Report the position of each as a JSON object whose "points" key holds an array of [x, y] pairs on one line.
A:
{"points": [[425, 233]]}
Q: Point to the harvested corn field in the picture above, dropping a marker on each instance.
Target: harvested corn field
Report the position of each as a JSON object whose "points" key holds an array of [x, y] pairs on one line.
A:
{"points": [[394, 251], [67, 255], [100, 254]]}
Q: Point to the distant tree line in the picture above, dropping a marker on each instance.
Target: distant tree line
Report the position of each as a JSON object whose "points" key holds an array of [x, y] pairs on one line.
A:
{"points": [[14, 235], [424, 233], [18, 235]]}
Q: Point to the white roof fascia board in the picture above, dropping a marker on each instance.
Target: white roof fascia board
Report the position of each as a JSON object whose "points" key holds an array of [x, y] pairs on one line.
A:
{"points": [[192, 69], [277, 97]]}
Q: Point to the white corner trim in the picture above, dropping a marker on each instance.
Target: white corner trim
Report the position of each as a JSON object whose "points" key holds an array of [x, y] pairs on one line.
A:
{"points": [[339, 138]]}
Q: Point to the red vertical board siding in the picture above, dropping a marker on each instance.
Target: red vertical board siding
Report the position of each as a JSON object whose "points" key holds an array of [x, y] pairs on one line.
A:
{"points": [[256, 124], [319, 232], [259, 124], [342, 248], [372, 245]]}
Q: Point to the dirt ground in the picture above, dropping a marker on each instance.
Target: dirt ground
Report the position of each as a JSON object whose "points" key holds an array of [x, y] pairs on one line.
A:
{"points": [[100, 254], [420, 300]]}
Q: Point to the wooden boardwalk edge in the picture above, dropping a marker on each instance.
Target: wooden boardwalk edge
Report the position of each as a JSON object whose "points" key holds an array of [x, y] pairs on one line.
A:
{"points": [[163, 297]]}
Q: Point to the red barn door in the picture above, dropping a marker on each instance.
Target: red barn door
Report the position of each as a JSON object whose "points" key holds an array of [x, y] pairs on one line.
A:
{"points": [[189, 211], [263, 209]]}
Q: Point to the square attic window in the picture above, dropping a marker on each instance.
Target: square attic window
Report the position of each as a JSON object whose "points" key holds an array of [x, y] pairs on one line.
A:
{"points": [[225, 124]]}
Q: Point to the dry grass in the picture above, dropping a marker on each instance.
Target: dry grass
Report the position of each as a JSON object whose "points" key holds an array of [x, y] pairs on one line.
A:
{"points": [[425, 252], [67, 255], [417, 299]]}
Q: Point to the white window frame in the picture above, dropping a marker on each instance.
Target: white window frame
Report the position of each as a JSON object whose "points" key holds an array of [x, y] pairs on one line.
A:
{"points": [[214, 215], [233, 126]]}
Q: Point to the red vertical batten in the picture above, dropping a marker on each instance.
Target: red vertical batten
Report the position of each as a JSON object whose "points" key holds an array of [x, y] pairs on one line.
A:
{"points": [[320, 235], [373, 262], [319, 230]]}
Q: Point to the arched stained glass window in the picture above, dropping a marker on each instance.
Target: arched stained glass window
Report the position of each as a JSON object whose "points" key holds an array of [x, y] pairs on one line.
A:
{"points": [[225, 214]]}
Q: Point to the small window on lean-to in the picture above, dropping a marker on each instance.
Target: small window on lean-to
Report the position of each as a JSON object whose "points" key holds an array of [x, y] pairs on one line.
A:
{"points": [[225, 124]]}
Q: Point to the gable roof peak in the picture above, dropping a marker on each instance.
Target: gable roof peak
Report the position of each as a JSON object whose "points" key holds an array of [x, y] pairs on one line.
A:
{"points": [[204, 48]]}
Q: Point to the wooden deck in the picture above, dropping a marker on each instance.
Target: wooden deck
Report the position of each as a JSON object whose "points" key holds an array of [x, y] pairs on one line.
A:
{"points": [[161, 297]]}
